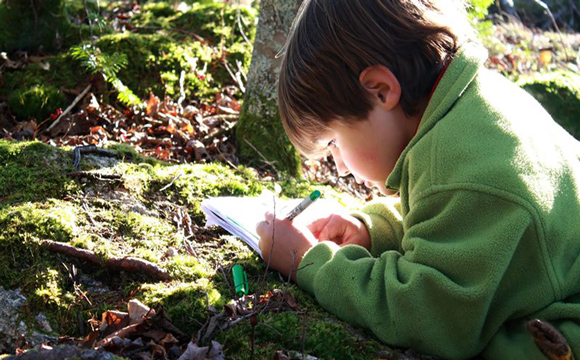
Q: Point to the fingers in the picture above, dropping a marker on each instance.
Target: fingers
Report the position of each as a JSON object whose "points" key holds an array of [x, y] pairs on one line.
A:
{"points": [[263, 229], [317, 226]]}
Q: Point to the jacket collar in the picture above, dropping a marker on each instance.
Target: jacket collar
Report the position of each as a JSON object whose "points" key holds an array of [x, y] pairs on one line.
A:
{"points": [[460, 73]]}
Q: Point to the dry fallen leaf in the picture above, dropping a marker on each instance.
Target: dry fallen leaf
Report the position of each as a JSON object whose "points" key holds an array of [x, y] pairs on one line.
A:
{"points": [[194, 352]]}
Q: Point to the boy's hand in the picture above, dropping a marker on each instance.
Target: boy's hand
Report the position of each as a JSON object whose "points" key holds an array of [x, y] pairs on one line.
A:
{"points": [[285, 251], [341, 229]]}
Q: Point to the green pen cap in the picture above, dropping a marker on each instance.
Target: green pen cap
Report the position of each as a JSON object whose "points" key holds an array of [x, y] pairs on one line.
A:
{"points": [[240, 280], [315, 195]]}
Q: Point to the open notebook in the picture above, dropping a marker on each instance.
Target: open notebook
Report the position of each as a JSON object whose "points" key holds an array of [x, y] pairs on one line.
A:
{"points": [[240, 215]]}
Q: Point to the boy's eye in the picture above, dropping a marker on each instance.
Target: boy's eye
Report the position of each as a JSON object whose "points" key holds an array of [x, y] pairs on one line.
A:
{"points": [[331, 143]]}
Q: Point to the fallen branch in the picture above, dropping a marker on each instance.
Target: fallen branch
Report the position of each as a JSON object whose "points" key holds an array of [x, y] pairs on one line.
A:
{"points": [[125, 263], [68, 109]]}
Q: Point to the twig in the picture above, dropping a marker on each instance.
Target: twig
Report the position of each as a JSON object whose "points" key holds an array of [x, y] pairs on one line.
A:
{"points": [[203, 330], [292, 265], [273, 239], [86, 208], [35, 18], [221, 131], [82, 294], [547, 8], [272, 328], [271, 163], [225, 158], [169, 117], [181, 87], [241, 29], [172, 181], [235, 77], [220, 268], [197, 37], [213, 324], [304, 318], [220, 117], [190, 248], [124, 263], [68, 109], [574, 8]]}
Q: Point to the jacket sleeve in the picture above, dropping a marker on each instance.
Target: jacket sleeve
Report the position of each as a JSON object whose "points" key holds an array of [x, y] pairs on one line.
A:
{"points": [[437, 295], [383, 220]]}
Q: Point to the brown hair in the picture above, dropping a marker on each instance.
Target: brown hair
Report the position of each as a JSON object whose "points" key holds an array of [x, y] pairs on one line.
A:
{"points": [[333, 41]]}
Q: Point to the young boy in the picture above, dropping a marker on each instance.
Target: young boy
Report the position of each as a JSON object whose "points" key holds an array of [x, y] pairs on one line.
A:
{"points": [[485, 233]]}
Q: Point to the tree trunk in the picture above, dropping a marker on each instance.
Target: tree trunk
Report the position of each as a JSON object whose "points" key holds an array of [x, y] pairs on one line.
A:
{"points": [[259, 132]]}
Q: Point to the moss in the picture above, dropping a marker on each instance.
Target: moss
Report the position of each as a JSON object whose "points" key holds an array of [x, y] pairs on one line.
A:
{"points": [[266, 134], [34, 92], [152, 57], [33, 25], [156, 10], [214, 21], [37, 102], [138, 235], [323, 337], [41, 275], [201, 181], [184, 303], [111, 224], [559, 93], [31, 171], [157, 58], [127, 152]]}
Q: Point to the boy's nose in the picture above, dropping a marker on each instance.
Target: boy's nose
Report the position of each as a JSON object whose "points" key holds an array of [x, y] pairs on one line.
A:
{"points": [[344, 172], [340, 166]]}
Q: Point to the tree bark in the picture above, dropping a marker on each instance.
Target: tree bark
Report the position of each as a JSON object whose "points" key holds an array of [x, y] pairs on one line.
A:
{"points": [[259, 132]]}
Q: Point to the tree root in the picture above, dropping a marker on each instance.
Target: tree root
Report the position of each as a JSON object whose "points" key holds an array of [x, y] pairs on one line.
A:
{"points": [[121, 263]]}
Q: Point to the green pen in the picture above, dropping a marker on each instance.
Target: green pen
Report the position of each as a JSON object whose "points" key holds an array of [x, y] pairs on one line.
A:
{"points": [[303, 205], [240, 280]]}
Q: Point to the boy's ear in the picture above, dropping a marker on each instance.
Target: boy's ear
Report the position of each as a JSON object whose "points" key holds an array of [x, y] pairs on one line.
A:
{"points": [[382, 84]]}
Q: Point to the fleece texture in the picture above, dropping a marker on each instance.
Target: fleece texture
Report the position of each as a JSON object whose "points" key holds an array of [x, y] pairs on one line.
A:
{"points": [[484, 236]]}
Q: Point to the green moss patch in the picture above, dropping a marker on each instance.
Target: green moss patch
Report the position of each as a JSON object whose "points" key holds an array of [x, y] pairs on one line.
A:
{"points": [[559, 93], [36, 91], [151, 212], [165, 48], [32, 171], [36, 102]]}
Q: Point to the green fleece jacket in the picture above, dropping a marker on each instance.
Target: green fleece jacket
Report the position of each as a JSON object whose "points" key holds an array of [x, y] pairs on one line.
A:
{"points": [[484, 237]]}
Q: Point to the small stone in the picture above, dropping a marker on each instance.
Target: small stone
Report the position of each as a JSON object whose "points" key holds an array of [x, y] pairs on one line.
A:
{"points": [[137, 310], [43, 322]]}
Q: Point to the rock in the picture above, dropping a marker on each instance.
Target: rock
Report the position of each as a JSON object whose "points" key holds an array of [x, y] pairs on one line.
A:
{"points": [[43, 323], [137, 310], [62, 353], [13, 331], [92, 285]]}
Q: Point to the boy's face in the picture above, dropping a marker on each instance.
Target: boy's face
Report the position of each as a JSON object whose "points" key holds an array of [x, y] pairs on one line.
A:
{"points": [[369, 148]]}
